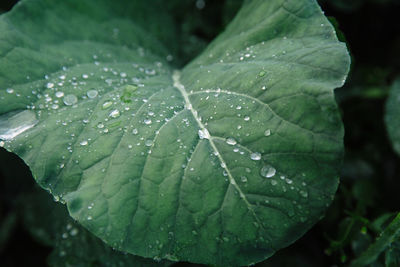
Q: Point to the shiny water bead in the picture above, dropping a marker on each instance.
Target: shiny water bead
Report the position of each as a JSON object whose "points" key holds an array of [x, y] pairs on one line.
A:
{"points": [[92, 93], [70, 100], [231, 141], [59, 94], [267, 171], [255, 156], [115, 113]]}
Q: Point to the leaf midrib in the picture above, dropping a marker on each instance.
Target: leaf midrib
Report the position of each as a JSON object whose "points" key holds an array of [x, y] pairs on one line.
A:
{"points": [[177, 84]]}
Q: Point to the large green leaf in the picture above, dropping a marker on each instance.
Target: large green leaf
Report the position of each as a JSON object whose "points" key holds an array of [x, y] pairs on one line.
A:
{"points": [[73, 245], [392, 115], [224, 162]]}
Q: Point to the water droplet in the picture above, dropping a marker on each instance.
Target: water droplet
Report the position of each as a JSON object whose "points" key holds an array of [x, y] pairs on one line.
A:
{"points": [[148, 142], [255, 156], [303, 193], [261, 74], [135, 131], [83, 143], [50, 85], [204, 134], [267, 132], [150, 72], [107, 104], [59, 94], [200, 4], [273, 182], [85, 76], [147, 121], [92, 93], [14, 123], [89, 218], [74, 232], [70, 100], [100, 125], [2, 143], [243, 179], [231, 141], [115, 113], [10, 90], [267, 171], [247, 118]]}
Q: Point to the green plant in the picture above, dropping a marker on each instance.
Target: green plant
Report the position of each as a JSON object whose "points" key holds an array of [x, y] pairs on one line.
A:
{"points": [[223, 160]]}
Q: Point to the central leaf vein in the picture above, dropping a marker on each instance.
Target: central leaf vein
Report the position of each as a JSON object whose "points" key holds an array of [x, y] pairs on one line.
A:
{"points": [[176, 79]]}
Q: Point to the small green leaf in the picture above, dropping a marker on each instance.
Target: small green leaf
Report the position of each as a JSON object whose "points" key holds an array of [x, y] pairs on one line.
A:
{"points": [[392, 115], [222, 162], [384, 240], [392, 255]]}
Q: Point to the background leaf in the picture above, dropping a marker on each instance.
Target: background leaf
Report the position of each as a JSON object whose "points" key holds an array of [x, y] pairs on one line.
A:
{"points": [[393, 114]]}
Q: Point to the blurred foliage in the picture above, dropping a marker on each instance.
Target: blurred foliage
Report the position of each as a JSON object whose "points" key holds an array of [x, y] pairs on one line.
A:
{"points": [[367, 199]]}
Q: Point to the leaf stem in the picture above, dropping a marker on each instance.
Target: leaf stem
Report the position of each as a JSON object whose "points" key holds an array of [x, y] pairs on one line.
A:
{"points": [[385, 239]]}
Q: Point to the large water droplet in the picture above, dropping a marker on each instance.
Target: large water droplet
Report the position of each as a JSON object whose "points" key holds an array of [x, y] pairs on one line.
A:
{"points": [[204, 134], [255, 156], [115, 113], [16, 122], [231, 141], [50, 85], [59, 94], [83, 143], [267, 171], [92, 93], [70, 100], [107, 104], [148, 142]]}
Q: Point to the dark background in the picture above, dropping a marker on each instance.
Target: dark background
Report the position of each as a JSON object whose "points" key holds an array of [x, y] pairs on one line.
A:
{"points": [[371, 170]]}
